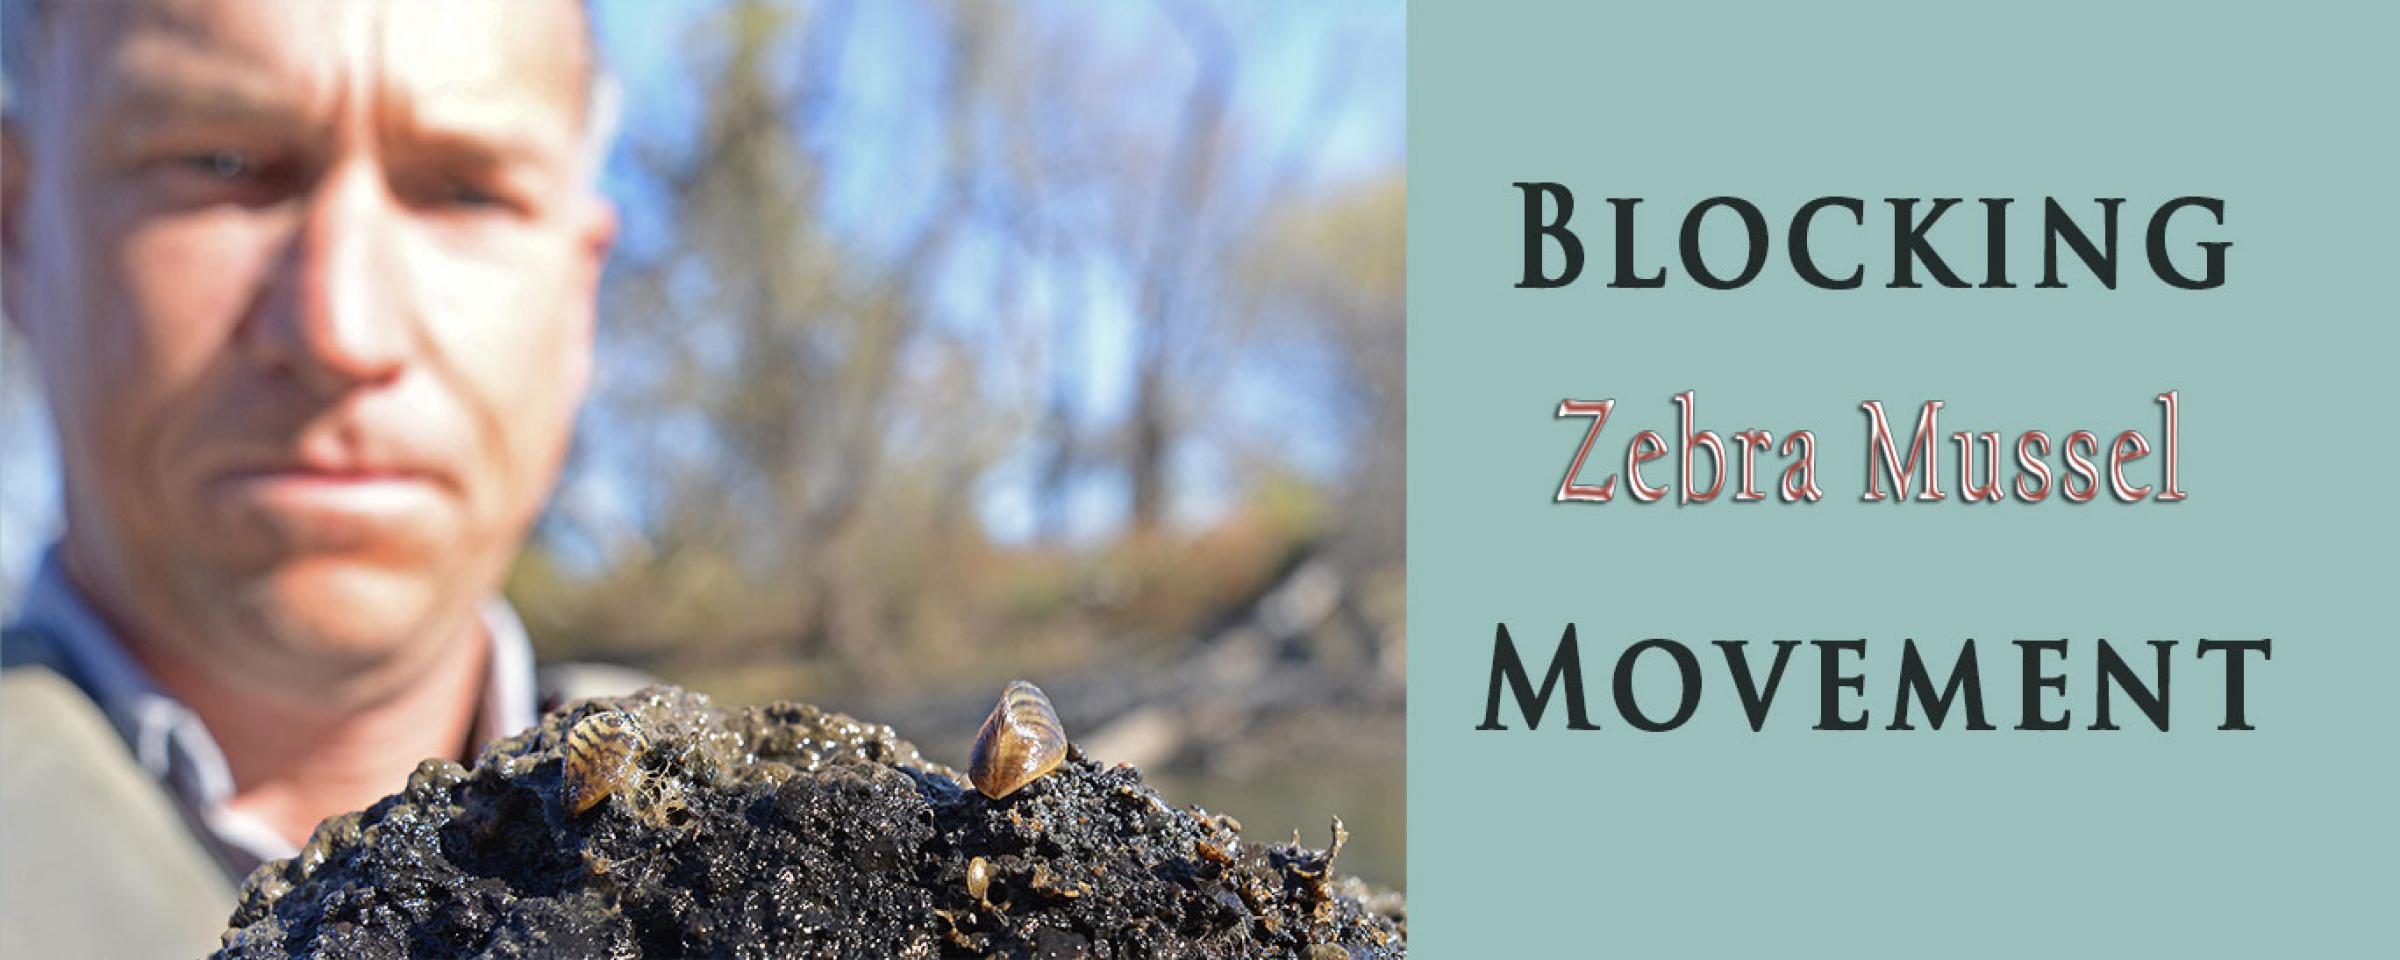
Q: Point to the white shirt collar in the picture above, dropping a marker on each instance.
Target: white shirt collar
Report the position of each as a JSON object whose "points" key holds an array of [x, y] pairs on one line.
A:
{"points": [[169, 741]]}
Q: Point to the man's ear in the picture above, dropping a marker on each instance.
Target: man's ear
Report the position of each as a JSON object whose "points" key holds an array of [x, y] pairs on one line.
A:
{"points": [[12, 214], [599, 229]]}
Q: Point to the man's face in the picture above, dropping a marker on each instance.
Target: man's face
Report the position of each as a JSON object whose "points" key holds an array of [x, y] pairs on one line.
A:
{"points": [[311, 287]]}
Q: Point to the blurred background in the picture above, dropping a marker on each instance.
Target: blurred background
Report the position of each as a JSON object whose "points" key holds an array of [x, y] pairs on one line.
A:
{"points": [[948, 343]]}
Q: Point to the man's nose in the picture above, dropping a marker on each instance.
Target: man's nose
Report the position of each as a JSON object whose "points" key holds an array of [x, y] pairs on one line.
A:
{"points": [[336, 314]]}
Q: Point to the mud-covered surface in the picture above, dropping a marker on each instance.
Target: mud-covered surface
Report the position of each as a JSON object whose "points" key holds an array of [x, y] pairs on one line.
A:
{"points": [[785, 831]]}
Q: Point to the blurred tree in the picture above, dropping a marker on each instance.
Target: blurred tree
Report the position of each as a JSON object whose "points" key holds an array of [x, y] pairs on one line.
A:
{"points": [[900, 255]]}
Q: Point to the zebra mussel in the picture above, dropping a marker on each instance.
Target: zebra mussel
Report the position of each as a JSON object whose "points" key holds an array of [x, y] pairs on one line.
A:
{"points": [[601, 752], [1020, 742]]}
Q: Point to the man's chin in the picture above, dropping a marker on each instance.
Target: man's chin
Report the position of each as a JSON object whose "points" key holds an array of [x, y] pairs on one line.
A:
{"points": [[342, 615]]}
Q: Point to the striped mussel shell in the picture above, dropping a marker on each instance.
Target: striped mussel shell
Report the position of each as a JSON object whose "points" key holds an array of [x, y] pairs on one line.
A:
{"points": [[600, 759], [1020, 742]]}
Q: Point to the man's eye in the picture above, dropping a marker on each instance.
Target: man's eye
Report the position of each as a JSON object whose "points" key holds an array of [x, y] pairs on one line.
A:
{"points": [[469, 195], [225, 165]]}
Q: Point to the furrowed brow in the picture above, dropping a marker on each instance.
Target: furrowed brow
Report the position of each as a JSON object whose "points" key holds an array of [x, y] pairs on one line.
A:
{"points": [[156, 83], [490, 131]]}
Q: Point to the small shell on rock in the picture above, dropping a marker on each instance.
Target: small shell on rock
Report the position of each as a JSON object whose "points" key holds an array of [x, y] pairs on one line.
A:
{"points": [[979, 878], [600, 752], [1020, 741]]}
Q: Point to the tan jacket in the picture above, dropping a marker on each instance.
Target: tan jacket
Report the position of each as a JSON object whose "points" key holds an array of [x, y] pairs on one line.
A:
{"points": [[96, 857]]}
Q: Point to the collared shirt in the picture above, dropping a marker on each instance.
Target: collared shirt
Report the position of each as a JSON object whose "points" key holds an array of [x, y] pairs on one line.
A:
{"points": [[168, 740]]}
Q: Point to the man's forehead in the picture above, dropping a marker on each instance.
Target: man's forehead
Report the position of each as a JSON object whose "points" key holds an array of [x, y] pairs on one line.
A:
{"points": [[498, 62]]}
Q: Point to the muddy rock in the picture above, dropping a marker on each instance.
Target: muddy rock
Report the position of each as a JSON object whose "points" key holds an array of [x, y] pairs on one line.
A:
{"points": [[786, 831]]}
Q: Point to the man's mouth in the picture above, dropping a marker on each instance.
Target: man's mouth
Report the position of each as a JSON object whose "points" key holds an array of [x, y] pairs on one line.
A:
{"points": [[301, 492]]}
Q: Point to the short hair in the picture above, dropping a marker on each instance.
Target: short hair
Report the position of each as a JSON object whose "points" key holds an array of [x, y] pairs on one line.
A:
{"points": [[22, 22]]}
